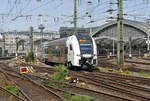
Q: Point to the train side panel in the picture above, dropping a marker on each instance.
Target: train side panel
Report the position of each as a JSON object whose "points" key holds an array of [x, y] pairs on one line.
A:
{"points": [[62, 56], [57, 54], [50, 54]]}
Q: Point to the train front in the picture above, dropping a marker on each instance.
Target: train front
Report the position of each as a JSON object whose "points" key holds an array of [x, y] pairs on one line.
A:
{"points": [[88, 51]]}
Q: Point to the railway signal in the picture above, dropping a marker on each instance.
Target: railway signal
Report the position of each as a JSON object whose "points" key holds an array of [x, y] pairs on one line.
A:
{"points": [[23, 70]]}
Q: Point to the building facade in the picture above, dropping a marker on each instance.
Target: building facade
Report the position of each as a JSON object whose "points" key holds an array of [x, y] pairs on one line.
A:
{"points": [[18, 42]]}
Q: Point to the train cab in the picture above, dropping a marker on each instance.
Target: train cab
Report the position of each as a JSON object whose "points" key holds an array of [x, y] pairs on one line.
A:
{"points": [[82, 51]]}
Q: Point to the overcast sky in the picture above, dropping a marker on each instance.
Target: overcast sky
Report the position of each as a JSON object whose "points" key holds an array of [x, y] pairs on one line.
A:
{"points": [[57, 13]]}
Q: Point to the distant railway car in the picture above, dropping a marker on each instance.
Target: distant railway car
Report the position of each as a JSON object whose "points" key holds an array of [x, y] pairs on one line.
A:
{"points": [[75, 51], [42, 53]]}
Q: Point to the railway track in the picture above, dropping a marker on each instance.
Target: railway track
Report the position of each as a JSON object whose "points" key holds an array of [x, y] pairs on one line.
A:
{"points": [[33, 90], [8, 81], [128, 91], [101, 96], [146, 59], [6, 58], [126, 78], [105, 63], [143, 63], [123, 84], [124, 90], [54, 89], [89, 92], [135, 69], [6, 95], [121, 77]]}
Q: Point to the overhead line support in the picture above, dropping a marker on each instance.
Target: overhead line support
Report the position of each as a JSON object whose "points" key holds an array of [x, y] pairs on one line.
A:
{"points": [[31, 39], [120, 46], [75, 16]]}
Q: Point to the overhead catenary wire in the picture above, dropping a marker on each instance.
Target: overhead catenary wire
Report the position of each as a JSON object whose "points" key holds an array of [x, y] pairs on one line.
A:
{"points": [[96, 13], [90, 10], [11, 9], [40, 6], [23, 8]]}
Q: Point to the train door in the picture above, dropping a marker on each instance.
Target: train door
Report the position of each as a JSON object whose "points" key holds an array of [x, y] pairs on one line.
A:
{"points": [[70, 54]]}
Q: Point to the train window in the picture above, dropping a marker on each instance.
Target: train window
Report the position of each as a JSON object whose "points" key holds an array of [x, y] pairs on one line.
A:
{"points": [[53, 52], [66, 50], [70, 47], [58, 53], [46, 50]]}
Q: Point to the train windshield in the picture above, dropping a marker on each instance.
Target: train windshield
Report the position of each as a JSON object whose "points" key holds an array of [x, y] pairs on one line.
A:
{"points": [[85, 42]]}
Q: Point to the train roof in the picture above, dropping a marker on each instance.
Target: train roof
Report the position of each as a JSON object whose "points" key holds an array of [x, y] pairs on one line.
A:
{"points": [[44, 43], [61, 41]]}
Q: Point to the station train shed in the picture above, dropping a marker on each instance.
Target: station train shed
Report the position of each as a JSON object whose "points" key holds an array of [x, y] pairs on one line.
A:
{"points": [[135, 36]]}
